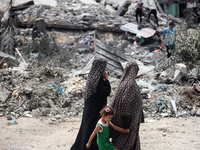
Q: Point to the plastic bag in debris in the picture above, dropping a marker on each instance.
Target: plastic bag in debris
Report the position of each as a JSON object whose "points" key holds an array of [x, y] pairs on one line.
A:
{"points": [[62, 90], [54, 85], [144, 86], [164, 87]]}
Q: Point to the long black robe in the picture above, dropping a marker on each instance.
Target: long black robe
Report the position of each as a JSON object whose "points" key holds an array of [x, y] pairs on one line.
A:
{"points": [[91, 115]]}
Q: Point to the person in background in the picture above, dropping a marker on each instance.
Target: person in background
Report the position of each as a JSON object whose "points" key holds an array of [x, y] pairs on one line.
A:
{"points": [[102, 130], [97, 90], [169, 38], [139, 40], [139, 10], [191, 4], [127, 102], [152, 10]]}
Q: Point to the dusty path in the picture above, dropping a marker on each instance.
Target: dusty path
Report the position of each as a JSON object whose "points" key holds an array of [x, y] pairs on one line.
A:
{"points": [[34, 134]]}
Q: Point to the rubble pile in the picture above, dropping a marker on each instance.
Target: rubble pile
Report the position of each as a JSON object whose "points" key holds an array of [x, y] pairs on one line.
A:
{"points": [[53, 85], [45, 92], [87, 16], [174, 88], [39, 92]]}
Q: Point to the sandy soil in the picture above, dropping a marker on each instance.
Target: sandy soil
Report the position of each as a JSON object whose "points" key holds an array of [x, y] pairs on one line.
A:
{"points": [[42, 134]]}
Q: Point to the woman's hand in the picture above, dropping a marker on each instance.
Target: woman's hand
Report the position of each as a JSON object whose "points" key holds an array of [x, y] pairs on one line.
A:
{"points": [[105, 75], [88, 145]]}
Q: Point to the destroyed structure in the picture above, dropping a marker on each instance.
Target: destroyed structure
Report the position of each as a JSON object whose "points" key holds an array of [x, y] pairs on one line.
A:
{"points": [[47, 48]]}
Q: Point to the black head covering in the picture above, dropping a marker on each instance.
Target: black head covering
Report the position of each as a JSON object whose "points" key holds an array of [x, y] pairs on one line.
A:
{"points": [[96, 72]]}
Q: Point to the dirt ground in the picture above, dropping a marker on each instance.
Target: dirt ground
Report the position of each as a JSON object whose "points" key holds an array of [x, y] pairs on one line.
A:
{"points": [[43, 134]]}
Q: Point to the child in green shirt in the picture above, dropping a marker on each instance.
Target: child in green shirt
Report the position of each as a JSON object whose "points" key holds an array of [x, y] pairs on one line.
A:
{"points": [[102, 130]]}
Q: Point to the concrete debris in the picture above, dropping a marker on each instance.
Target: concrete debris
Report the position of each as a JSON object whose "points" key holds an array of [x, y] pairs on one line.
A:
{"points": [[76, 33], [7, 61], [174, 74], [36, 2], [124, 8]]}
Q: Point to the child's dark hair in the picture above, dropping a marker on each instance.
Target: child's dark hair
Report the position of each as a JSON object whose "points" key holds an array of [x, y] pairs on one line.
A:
{"points": [[107, 110]]}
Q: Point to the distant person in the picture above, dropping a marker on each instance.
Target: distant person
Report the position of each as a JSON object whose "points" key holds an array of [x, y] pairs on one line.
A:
{"points": [[127, 102], [191, 4], [34, 33], [151, 10], [102, 130], [169, 35], [139, 40], [97, 90], [139, 10]]}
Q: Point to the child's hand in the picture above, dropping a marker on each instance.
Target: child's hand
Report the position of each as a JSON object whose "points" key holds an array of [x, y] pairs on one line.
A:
{"points": [[125, 130], [88, 145]]}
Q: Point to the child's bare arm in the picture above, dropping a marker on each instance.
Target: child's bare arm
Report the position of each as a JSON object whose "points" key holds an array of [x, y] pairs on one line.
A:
{"points": [[118, 128], [92, 135]]}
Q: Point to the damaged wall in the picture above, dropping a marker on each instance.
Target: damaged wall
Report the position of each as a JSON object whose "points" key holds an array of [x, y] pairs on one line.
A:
{"points": [[176, 8], [36, 2]]}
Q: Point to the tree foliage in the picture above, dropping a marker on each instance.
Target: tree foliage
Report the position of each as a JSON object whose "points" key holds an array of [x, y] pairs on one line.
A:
{"points": [[7, 32], [8, 40], [187, 49]]}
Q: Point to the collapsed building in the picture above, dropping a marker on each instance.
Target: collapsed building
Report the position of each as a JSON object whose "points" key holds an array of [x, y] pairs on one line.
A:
{"points": [[55, 45]]}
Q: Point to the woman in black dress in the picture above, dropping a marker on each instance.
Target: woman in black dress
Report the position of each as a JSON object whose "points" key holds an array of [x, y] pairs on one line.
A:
{"points": [[97, 90]]}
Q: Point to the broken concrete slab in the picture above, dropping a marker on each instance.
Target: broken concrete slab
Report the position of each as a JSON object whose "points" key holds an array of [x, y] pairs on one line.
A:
{"points": [[181, 67], [124, 8], [4, 94], [92, 2], [20, 3], [87, 17], [143, 69], [133, 28], [10, 60], [156, 57], [177, 75], [36, 2], [169, 73]]}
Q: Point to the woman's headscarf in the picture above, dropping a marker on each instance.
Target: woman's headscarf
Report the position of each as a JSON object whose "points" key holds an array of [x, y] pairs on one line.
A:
{"points": [[127, 102], [127, 89], [130, 72], [96, 72]]}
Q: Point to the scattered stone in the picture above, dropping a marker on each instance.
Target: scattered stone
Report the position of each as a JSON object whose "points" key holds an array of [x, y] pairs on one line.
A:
{"points": [[28, 115], [164, 134], [45, 111], [53, 119], [198, 112], [58, 116], [193, 112], [13, 114], [28, 90], [9, 118], [35, 113]]}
